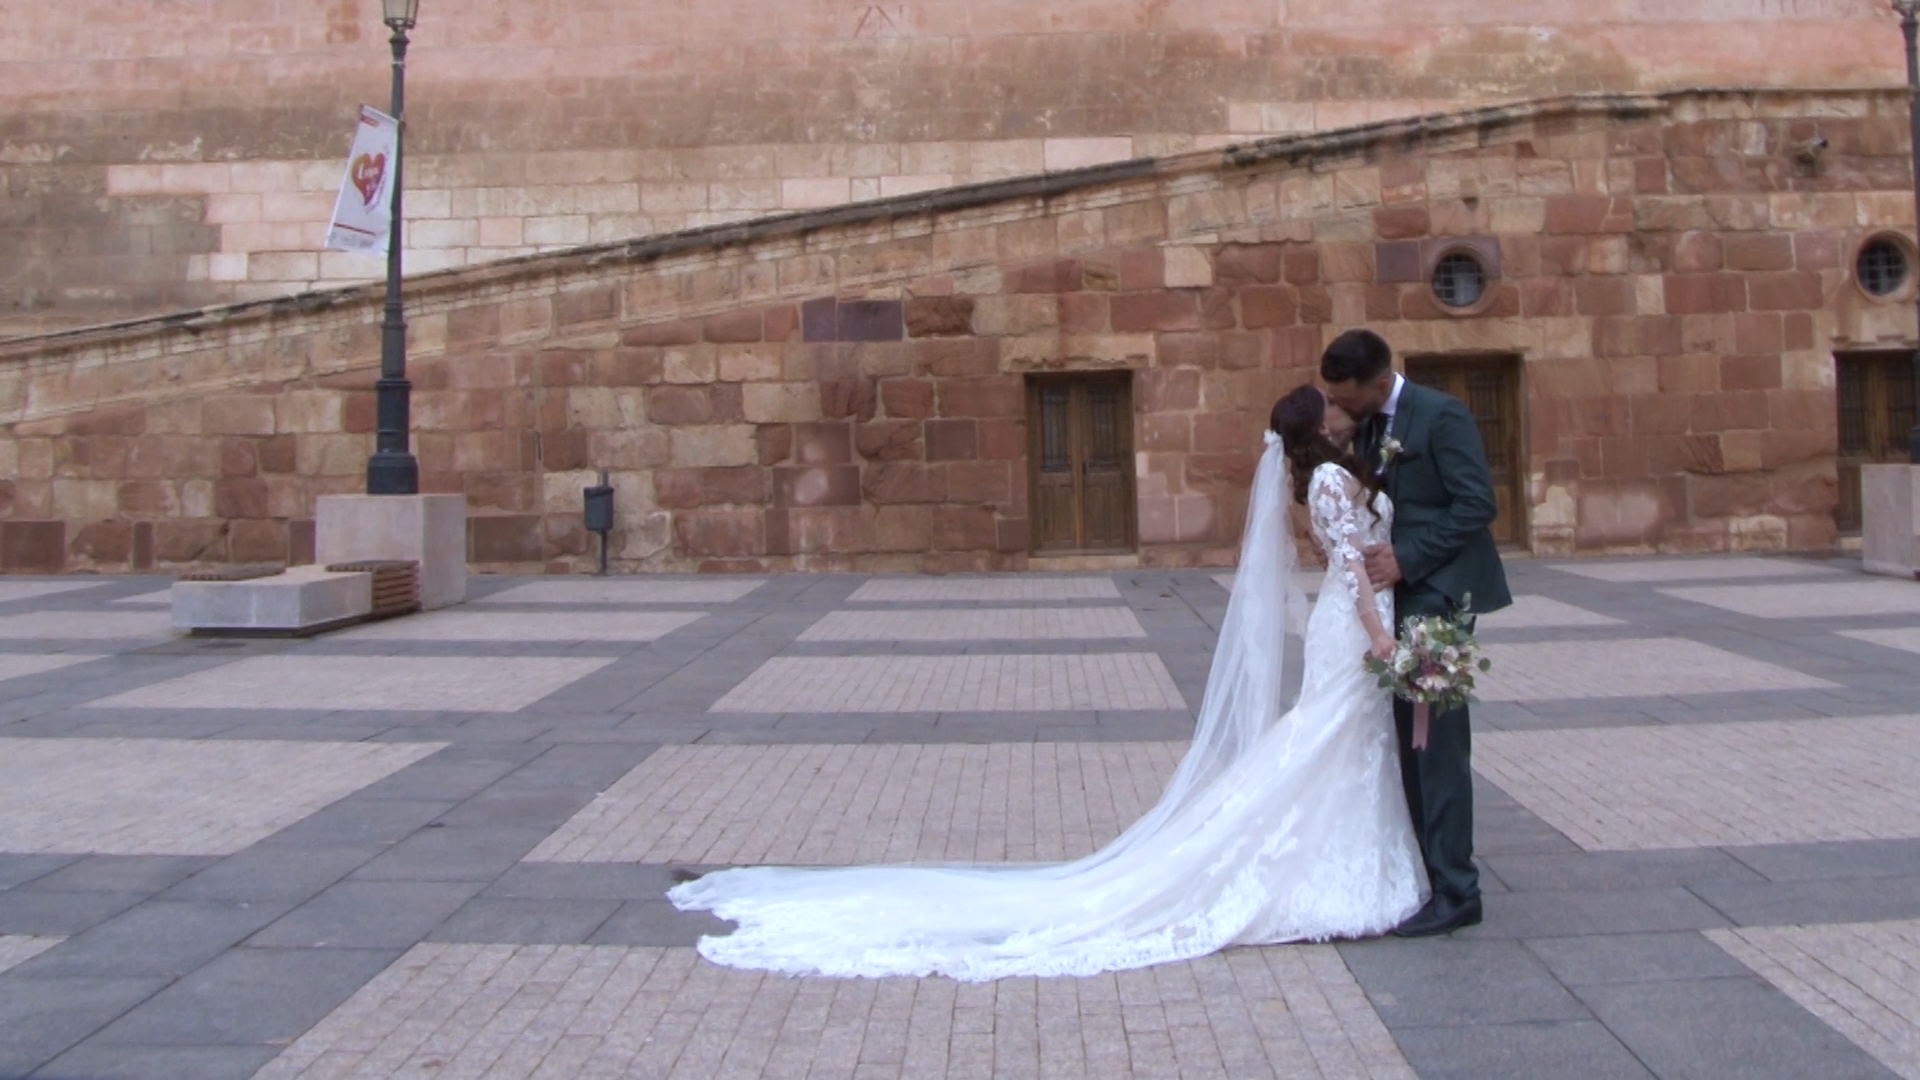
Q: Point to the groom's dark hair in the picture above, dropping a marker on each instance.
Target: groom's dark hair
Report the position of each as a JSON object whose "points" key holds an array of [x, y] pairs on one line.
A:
{"points": [[1356, 356]]}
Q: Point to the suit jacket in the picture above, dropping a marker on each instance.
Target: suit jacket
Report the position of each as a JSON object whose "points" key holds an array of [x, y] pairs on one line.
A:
{"points": [[1443, 506]]}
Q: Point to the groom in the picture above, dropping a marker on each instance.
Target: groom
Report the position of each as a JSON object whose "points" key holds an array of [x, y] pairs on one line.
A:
{"points": [[1428, 452]]}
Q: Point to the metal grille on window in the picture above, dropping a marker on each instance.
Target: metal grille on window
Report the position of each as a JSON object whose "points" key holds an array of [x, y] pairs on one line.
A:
{"points": [[1103, 444], [1881, 267], [1056, 452], [1459, 280], [1900, 414], [1851, 397]]}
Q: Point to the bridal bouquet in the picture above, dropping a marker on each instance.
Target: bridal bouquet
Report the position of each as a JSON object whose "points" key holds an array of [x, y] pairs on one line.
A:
{"points": [[1433, 666]]}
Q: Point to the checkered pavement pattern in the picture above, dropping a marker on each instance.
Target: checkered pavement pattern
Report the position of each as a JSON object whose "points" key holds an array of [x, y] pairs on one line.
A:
{"points": [[439, 845]]}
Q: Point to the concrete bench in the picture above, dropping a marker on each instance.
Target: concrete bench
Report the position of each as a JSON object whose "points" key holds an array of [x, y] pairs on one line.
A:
{"points": [[303, 600]]}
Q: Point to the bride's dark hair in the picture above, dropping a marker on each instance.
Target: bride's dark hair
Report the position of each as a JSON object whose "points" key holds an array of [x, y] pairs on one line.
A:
{"points": [[1298, 418]]}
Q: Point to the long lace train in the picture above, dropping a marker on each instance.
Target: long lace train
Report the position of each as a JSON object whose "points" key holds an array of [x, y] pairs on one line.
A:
{"points": [[1274, 828]]}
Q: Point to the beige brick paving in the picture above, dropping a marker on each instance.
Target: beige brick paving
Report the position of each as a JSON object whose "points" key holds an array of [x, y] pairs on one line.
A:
{"points": [[1907, 638], [528, 626], [28, 590], [990, 683], [1713, 785], [1830, 600], [431, 683], [977, 624], [16, 949], [86, 625], [175, 796], [1018, 589], [1536, 612], [1861, 978], [840, 805], [720, 590], [517, 1012], [1657, 570], [1630, 667], [16, 665]]}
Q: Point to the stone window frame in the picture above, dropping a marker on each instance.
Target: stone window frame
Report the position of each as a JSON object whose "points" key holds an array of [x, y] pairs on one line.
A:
{"points": [[1481, 251], [1908, 288]]}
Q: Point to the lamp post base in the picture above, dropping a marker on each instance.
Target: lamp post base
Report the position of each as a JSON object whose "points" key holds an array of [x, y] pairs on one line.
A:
{"points": [[393, 473]]}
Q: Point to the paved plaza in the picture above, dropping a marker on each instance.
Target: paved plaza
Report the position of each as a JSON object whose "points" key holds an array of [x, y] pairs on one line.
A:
{"points": [[439, 846]]}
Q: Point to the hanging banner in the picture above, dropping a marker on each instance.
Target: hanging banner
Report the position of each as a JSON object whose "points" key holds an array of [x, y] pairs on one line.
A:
{"points": [[364, 211]]}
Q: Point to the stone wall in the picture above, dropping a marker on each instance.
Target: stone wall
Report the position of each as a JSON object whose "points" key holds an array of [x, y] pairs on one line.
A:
{"points": [[845, 389], [156, 157]]}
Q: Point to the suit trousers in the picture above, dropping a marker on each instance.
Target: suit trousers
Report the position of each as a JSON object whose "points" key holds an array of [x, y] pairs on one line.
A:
{"points": [[1439, 779]]}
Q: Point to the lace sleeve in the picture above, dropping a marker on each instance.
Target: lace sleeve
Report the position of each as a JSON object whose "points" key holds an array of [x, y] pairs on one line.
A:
{"points": [[1335, 511]]}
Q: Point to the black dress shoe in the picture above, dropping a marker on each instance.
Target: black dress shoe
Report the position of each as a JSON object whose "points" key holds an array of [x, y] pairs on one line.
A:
{"points": [[1440, 916]]}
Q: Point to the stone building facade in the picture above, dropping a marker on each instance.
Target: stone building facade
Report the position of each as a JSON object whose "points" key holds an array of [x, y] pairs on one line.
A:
{"points": [[1666, 283], [159, 157]]}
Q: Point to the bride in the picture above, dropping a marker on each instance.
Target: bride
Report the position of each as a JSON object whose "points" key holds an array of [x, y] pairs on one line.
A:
{"points": [[1275, 828]]}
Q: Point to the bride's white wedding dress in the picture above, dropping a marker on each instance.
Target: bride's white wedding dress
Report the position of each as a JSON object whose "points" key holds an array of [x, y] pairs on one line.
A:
{"points": [[1275, 828]]}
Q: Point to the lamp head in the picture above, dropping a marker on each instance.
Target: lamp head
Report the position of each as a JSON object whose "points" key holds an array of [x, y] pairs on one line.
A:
{"points": [[400, 13]]}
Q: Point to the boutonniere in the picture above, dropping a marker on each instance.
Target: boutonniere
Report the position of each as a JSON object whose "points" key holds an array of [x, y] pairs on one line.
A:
{"points": [[1389, 449]]}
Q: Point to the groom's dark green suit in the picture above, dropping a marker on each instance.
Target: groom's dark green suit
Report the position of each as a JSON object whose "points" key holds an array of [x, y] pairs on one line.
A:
{"points": [[1443, 505]]}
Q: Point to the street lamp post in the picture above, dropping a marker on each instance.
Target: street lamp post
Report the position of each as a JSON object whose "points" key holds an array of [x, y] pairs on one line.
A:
{"points": [[392, 469], [1909, 11]]}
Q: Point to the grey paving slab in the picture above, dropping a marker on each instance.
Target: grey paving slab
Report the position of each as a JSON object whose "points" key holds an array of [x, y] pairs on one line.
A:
{"points": [[362, 820], [249, 997], [590, 881], [368, 915], [160, 937], [1792, 903], [1741, 1029], [507, 807], [1456, 982], [107, 1061], [41, 1018], [490, 920], [658, 923], [268, 873], [123, 873], [1613, 911], [452, 853], [39, 913], [1822, 862], [1567, 1048], [17, 870], [1585, 960], [1598, 871]]}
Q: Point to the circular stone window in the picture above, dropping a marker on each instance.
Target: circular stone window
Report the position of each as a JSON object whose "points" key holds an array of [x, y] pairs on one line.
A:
{"points": [[1882, 266], [1459, 279]]}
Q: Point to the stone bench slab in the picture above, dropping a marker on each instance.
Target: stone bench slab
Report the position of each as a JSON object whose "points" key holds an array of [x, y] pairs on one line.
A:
{"points": [[303, 600]]}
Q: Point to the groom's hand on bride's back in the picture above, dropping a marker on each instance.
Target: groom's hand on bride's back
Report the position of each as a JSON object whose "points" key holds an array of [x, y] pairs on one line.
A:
{"points": [[1383, 569]]}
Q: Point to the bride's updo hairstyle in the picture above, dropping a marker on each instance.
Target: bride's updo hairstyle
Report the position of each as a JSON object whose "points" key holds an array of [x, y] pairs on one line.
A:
{"points": [[1298, 419]]}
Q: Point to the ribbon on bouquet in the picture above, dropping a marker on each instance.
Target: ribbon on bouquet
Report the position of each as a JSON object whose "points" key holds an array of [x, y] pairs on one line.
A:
{"points": [[1421, 712]]}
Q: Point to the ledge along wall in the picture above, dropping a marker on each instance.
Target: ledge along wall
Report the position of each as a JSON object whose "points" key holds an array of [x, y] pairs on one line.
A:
{"points": [[845, 388]]}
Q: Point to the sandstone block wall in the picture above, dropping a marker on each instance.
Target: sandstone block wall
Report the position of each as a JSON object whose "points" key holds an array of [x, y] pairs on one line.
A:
{"points": [[162, 157], [846, 390]]}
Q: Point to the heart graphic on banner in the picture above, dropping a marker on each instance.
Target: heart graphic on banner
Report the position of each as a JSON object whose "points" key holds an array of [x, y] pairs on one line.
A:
{"points": [[368, 172]]}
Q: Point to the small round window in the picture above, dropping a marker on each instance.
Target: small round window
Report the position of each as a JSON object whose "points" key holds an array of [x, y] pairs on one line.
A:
{"points": [[1881, 266], [1459, 281]]}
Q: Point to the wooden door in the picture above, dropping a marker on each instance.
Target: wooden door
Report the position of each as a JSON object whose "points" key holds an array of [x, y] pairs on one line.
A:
{"points": [[1080, 463], [1873, 392], [1490, 385]]}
